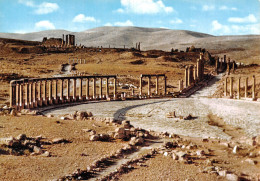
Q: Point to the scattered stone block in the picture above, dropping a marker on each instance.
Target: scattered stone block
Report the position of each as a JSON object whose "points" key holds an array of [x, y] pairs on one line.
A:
{"points": [[94, 138], [232, 177]]}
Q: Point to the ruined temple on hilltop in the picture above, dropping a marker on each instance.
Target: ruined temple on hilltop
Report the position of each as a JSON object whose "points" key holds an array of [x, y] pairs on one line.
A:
{"points": [[67, 40]]}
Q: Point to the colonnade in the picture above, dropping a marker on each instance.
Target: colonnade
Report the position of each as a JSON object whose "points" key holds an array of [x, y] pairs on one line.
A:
{"points": [[246, 87], [193, 73], [223, 64], [149, 76], [32, 93]]}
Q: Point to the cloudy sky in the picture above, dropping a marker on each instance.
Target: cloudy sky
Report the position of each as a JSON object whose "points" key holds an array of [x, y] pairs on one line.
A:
{"points": [[217, 17]]}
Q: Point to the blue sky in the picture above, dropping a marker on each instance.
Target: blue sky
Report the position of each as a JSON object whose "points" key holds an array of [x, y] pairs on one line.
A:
{"points": [[216, 17]]}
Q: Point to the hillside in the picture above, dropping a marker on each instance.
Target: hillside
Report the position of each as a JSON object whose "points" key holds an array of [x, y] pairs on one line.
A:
{"points": [[155, 38]]}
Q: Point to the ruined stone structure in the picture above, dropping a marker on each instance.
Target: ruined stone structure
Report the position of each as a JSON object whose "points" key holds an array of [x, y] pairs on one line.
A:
{"points": [[238, 90], [149, 76], [66, 40], [32, 93], [222, 65]]}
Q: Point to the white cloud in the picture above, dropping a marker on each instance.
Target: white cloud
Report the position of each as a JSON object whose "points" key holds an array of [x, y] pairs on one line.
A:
{"points": [[248, 19], [43, 8], [29, 3], [126, 23], [220, 29], [81, 18], [144, 7], [176, 21], [108, 24], [227, 8], [208, 7], [44, 25], [46, 8]]}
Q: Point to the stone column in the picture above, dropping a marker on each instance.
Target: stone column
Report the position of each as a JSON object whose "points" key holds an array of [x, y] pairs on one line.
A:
{"points": [[100, 88], [12, 94], [34, 92], [195, 73], [21, 95], [50, 89], [141, 85], [198, 69], [61, 90], [228, 67], [30, 93], [180, 86], [94, 88], [225, 88], [115, 88], [74, 89], [55, 89], [238, 88], [233, 66], [253, 89], [231, 87], [246, 84], [225, 58], [107, 88], [165, 85], [149, 85], [186, 76], [68, 89], [80, 88], [189, 76], [156, 85], [44, 90], [216, 65], [87, 88], [26, 95], [39, 90], [221, 63], [17, 94]]}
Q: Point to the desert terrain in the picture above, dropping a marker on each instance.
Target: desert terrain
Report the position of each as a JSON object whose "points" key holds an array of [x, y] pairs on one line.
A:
{"points": [[219, 142]]}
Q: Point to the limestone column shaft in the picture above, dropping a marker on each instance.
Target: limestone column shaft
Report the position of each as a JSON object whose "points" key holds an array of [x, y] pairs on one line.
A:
{"points": [[198, 69], [74, 88], [34, 91], [141, 85], [156, 85], [186, 77], [45, 90], [80, 88], [115, 87], [107, 88], [238, 88], [100, 88], [55, 89], [87, 88], [61, 89], [26, 94], [50, 90], [12, 94], [165, 85], [149, 86], [39, 90], [246, 87], [94, 88], [189, 76], [225, 88], [195, 73], [253, 88], [17, 94], [180, 87], [30, 93], [68, 89], [216, 65], [231, 87], [21, 94]]}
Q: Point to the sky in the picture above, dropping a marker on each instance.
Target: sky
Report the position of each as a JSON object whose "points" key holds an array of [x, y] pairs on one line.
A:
{"points": [[216, 17]]}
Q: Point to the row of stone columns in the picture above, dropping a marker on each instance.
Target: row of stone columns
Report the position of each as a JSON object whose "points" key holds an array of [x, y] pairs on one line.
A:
{"points": [[156, 84], [193, 73], [231, 88], [39, 92], [221, 64]]}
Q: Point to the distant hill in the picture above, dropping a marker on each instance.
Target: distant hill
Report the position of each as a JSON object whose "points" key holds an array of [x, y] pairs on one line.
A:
{"points": [[152, 38]]}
